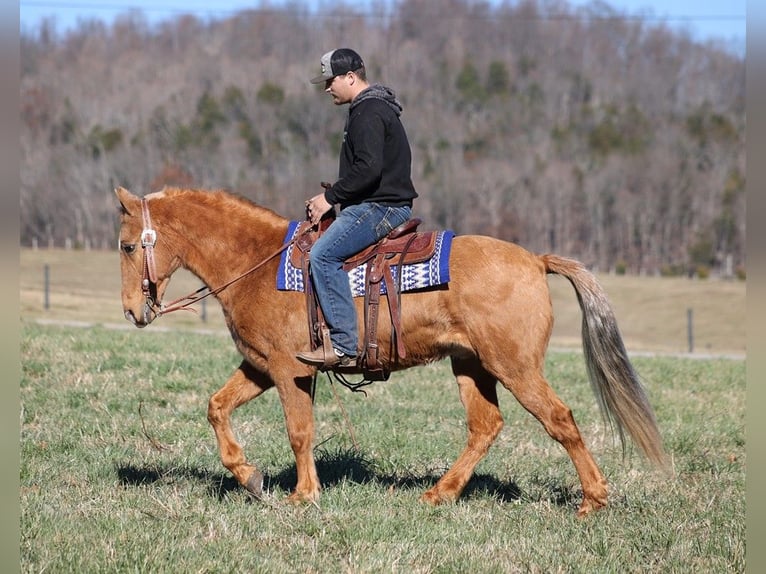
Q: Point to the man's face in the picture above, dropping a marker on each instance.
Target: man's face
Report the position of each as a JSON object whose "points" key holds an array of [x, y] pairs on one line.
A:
{"points": [[340, 88]]}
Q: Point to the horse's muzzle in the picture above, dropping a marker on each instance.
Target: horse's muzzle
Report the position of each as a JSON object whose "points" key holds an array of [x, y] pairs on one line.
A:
{"points": [[147, 316]]}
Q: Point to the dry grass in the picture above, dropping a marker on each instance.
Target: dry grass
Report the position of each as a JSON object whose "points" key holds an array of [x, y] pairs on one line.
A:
{"points": [[85, 286], [651, 311]]}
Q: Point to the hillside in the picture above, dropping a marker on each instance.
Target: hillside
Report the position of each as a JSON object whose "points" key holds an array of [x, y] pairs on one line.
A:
{"points": [[574, 130]]}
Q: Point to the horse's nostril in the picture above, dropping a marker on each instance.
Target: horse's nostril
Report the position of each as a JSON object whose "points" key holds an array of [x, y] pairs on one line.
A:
{"points": [[132, 318]]}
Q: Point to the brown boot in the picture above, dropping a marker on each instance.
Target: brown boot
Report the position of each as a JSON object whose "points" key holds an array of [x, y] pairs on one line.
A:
{"points": [[326, 360]]}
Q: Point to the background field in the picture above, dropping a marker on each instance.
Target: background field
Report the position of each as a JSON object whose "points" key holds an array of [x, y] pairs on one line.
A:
{"points": [[120, 471], [651, 311]]}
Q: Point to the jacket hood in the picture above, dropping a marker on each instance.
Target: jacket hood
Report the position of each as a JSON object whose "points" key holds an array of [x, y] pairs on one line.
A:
{"points": [[379, 92]]}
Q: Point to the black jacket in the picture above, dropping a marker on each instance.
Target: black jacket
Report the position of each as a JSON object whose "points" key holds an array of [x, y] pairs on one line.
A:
{"points": [[375, 158]]}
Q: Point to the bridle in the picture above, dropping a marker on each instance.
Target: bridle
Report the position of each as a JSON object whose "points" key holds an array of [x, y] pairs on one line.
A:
{"points": [[149, 270], [148, 240]]}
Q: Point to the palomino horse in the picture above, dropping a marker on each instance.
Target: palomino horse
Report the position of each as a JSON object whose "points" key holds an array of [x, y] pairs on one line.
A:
{"points": [[493, 320]]}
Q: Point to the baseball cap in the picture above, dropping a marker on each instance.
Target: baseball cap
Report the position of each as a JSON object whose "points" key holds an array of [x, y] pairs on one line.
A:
{"points": [[338, 62]]}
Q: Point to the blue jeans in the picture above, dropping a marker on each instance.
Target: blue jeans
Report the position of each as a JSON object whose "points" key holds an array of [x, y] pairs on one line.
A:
{"points": [[356, 227]]}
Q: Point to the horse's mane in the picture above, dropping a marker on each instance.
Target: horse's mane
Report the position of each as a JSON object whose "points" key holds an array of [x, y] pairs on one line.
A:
{"points": [[219, 198]]}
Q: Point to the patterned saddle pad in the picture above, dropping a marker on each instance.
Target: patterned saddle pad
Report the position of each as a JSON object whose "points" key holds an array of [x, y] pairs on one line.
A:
{"points": [[430, 273]]}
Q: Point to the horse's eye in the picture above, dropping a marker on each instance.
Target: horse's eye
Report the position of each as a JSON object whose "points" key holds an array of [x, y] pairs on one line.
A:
{"points": [[128, 248]]}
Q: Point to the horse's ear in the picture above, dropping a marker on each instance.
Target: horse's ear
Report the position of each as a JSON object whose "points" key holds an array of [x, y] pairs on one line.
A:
{"points": [[128, 201]]}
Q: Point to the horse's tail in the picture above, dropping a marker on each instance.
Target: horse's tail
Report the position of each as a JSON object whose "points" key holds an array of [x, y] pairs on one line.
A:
{"points": [[615, 383]]}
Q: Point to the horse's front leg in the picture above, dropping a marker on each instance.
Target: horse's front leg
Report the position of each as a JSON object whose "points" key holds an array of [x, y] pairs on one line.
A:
{"points": [[295, 395], [245, 384]]}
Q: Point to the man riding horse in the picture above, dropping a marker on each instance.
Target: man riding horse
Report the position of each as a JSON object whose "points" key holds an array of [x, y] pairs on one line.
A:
{"points": [[374, 191]]}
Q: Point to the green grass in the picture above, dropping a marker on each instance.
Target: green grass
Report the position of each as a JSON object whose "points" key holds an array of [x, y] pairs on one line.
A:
{"points": [[120, 471]]}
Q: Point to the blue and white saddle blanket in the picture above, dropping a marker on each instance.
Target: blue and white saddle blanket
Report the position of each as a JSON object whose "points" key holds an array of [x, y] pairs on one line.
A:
{"points": [[430, 273]]}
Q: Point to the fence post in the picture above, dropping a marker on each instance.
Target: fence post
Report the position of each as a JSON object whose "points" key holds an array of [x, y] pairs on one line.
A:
{"points": [[46, 286], [690, 328], [203, 314]]}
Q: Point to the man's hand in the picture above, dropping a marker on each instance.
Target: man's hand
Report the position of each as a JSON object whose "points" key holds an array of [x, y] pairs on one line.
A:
{"points": [[316, 207]]}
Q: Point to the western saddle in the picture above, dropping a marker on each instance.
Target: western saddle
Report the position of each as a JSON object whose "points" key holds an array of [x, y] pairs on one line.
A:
{"points": [[403, 245]]}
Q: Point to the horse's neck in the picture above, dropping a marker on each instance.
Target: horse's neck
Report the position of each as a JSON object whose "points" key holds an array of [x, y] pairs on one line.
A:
{"points": [[219, 242]]}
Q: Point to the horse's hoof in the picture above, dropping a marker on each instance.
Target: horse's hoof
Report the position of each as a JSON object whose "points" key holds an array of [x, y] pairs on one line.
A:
{"points": [[297, 498], [254, 484], [589, 506], [432, 498], [294, 499]]}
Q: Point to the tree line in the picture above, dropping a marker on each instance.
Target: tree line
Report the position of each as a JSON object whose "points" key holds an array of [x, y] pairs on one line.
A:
{"points": [[574, 130]]}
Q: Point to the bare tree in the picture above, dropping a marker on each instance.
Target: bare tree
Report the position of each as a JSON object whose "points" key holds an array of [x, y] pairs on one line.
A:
{"points": [[563, 128]]}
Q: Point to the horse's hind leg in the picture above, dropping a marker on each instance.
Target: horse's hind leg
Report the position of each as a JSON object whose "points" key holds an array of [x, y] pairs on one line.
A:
{"points": [[478, 393], [245, 384], [535, 394]]}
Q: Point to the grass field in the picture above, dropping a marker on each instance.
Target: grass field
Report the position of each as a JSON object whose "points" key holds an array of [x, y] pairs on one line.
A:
{"points": [[120, 471]]}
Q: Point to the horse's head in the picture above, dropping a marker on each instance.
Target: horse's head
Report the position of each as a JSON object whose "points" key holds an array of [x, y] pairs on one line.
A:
{"points": [[145, 262]]}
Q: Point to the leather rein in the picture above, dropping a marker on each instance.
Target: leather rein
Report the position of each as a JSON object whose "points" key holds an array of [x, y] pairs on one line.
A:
{"points": [[149, 272]]}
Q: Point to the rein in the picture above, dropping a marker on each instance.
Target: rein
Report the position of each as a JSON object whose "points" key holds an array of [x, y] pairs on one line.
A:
{"points": [[149, 278]]}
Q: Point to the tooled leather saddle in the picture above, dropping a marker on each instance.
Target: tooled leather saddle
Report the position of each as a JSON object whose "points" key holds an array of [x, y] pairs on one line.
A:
{"points": [[403, 245]]}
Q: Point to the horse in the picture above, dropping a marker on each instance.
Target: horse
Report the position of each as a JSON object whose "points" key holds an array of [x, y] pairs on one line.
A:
{"points": [[492, 320]]}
